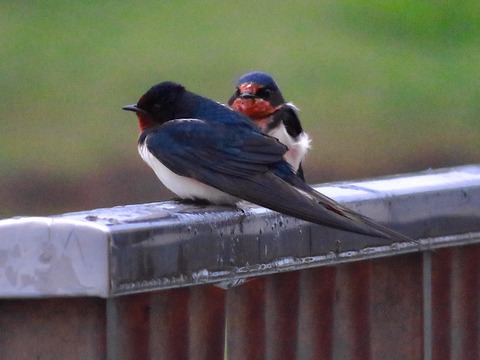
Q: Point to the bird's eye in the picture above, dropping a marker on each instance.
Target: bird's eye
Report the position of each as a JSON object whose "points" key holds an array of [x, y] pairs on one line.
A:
{"points": [[264, 93]]}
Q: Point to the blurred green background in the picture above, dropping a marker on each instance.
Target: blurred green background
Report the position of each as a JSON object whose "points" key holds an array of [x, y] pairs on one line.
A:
{"points": [[383, 86]]}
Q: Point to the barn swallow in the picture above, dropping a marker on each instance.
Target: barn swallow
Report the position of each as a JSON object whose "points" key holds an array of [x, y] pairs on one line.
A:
{"points": [[258, 96], [202, 150]]}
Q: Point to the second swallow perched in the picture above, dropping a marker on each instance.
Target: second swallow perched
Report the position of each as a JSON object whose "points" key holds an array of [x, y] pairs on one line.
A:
{"points": [[203, 150], [258, 96]]}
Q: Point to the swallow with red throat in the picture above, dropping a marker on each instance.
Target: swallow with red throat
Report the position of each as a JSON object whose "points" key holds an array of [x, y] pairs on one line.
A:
{"points": [[258, 96], [202, 150]]}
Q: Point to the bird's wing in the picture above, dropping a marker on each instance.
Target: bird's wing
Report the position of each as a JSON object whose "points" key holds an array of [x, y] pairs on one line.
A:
{"points": [[250, 165], [289, 117], [335, 207], [187, 146]]}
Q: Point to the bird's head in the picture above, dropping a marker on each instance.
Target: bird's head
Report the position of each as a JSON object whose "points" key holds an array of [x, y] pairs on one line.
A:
{"points": [[256, 95], [158, 105]]}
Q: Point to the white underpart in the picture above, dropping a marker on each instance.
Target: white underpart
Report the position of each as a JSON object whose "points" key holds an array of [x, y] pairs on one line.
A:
{"points": [[297, 147], [293, 106], [184, 187]]}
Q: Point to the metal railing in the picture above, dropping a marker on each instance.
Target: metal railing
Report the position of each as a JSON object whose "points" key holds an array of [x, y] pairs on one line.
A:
{"points": [[175, 281]]}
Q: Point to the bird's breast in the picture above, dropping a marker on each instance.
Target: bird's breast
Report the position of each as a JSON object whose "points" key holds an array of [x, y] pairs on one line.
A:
{"points": [[297, 147], [145, 121], [182, 186]]}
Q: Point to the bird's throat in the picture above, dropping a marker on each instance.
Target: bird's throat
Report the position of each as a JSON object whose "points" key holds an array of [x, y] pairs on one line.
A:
{"points": [[254, 108], [145, 121]]}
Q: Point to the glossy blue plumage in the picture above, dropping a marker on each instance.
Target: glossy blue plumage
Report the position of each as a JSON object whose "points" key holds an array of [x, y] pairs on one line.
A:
{"points": [[259, 78], [214, 150]]}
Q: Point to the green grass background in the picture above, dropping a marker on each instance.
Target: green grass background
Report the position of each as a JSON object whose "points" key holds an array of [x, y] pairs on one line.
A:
{"points": [[383, 86]]}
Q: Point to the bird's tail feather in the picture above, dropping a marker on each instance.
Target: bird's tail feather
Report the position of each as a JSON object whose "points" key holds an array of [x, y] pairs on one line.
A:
{"points": [[305, 203], [345, 212]]}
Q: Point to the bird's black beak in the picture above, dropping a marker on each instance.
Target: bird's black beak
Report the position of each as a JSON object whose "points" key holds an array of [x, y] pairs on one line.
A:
{"points": [[247, 95], [133, 108]]}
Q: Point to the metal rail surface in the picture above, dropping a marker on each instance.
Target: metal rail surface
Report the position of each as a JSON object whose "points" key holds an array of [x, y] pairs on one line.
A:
{"points": [[275, 276]]}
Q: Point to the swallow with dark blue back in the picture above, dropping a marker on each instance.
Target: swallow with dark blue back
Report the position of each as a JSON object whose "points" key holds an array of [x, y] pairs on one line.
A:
{"points": [[258, 96], [202, 150]]}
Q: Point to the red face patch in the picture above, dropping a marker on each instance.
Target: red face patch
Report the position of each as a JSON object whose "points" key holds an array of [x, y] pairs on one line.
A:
{"points": [[145, 121], [255, 108]]}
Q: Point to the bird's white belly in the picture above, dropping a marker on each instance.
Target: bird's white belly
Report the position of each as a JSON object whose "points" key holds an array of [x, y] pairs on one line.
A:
{"points": [[297, 148], [184, 187]]}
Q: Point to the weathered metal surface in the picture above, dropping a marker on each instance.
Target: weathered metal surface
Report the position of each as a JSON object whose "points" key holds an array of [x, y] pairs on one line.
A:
{"points": [[371, 309], [318, 298], [282, 297], [396, 308], [206, 323], [465, 305], [85, 285], [246, 332], [53, 328], [130, 249], [128, 327], [187, 323], [55, 256], [440, 307]]}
